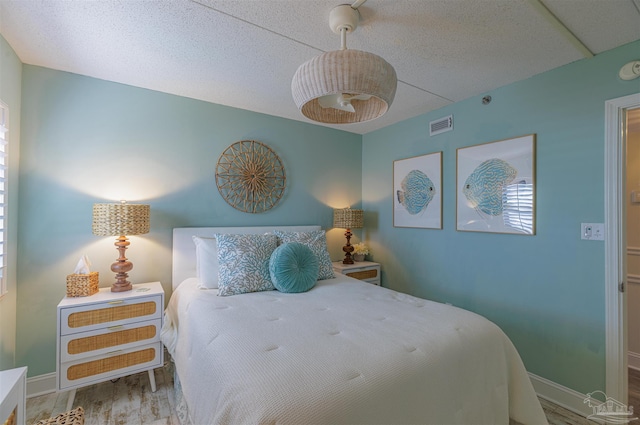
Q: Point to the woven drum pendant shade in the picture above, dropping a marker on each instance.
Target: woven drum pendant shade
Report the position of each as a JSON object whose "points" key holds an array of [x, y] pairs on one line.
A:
{"points": [[120, 219], [347, 71]]}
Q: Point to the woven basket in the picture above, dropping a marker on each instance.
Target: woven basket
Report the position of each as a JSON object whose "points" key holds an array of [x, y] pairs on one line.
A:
{"points": [[82, 285], [72, 417]]}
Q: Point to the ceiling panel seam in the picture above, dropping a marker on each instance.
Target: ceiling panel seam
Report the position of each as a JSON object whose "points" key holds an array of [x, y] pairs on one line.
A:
{"points": [[561, 27], [307, 45], [255, 25]]}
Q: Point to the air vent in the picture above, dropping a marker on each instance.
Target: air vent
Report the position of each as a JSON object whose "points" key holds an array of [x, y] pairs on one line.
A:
{"points": [[440, 126]]}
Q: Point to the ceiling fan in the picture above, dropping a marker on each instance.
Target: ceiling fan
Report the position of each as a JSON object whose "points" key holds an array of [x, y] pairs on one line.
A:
{"points": [[343, 20], [329, 88], [341, 101]]}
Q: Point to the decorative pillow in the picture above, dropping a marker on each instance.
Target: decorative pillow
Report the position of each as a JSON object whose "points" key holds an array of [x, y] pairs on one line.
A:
{"points": [[293, 268], [316, 240], [243, 263], [206, 262]]}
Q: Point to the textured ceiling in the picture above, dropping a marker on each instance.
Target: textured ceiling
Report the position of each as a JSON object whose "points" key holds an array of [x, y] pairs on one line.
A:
{"points": [[243, 53]]}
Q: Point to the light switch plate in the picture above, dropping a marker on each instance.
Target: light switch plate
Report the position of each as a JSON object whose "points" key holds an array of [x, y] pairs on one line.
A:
{"points": [[592, 231]]}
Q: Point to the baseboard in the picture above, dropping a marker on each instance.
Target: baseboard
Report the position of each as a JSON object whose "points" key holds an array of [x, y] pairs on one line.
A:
{"points": [[549, 390], [562, 396], [633, 360], [41, 384]]}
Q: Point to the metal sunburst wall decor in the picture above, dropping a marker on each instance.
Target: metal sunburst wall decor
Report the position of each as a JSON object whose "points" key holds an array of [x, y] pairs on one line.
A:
{"points": [[250, 176]]}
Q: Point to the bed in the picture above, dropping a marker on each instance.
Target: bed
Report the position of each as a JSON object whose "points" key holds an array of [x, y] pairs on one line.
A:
{"points": [[344, 352]]}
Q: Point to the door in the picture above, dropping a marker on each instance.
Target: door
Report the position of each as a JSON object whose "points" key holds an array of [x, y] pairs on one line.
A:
{"points": [[615, 244], [632, 205]]}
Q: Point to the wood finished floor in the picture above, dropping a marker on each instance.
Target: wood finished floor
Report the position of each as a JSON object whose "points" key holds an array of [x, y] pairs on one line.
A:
{"points": [[129, 401]]}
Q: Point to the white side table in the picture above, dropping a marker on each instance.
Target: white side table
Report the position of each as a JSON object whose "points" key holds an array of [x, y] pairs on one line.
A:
{"points": [[362, 270], [109, 335], [13, 394]]}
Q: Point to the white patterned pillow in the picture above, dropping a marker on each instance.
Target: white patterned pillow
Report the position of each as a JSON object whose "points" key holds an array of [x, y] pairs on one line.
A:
{"points": [[243, 263], [317, 241]]}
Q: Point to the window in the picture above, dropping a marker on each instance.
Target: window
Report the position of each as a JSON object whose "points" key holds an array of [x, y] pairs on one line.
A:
{"points": [[4, 129]]}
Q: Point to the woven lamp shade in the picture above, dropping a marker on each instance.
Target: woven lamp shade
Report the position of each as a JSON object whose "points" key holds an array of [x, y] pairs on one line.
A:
{"points": [[120, 219], [347, 218], [344, 71]]}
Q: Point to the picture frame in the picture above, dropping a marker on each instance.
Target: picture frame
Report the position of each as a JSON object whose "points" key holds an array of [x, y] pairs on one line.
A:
{"points": [[417, 191], [496, 186]]}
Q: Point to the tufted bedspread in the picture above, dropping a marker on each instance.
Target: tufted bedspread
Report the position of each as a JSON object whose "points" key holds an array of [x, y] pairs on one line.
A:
{"points": [[346, 352]]}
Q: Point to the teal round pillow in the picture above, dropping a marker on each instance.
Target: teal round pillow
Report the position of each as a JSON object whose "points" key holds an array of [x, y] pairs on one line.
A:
{"points": [[293, 268]]}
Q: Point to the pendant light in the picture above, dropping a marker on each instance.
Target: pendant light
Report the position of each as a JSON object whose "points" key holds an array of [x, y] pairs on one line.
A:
{"points": [[344, 86]]}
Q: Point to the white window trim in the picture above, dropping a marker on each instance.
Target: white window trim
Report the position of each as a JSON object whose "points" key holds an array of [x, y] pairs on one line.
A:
{"points": [[4, 147]]}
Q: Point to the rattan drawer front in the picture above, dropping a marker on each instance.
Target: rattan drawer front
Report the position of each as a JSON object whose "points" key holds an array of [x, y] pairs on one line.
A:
{"points": [[11, 420], [364, 274], [102, 341], [100, 315], [101, 368], [97, 342], [109, 364], [110, 314], [367, 271]]}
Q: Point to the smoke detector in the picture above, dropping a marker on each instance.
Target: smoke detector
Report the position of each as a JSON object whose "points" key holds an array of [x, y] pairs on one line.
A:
{"points": [[630, 71]]}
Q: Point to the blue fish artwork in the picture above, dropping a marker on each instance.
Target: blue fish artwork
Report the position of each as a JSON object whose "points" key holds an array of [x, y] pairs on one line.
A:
{"points": [[484, 187], [417, 191]]}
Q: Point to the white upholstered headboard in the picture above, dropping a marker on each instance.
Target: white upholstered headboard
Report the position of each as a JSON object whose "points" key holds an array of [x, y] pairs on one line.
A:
{"points": [[184, 250]]}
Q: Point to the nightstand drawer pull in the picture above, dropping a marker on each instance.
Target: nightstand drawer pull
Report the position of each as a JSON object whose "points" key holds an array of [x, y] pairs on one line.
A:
{"points": [[109, 364], [364, 274], [115, 328], [111, 353], [114, 339], [115, 302], [111, 314]]}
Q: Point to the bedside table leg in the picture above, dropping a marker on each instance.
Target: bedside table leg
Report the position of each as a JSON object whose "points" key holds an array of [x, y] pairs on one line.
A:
{"points": [[152, 380], [72, 396]]}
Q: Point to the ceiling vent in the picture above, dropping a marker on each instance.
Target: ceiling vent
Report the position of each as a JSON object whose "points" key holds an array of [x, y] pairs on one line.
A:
{"points": [[441, 126]]}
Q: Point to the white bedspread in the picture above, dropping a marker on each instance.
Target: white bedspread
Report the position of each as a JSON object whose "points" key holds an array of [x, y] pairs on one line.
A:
{"points": [[344, 352]]}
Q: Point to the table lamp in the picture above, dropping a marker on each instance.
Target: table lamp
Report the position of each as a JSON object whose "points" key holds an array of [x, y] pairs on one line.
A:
{"points": [[347, 218], [120, 220]]}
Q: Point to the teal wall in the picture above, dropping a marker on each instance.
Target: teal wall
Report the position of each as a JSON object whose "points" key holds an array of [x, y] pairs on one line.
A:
{"points": [[545, 291], [86, 140], [10, 94]]}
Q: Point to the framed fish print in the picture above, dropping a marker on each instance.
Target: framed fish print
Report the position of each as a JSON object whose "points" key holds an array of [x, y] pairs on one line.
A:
{"points": [[496, 186], [417, 192]]}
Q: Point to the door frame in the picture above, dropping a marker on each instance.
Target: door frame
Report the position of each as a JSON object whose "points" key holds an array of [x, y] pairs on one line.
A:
{"points": [[615, 245]]}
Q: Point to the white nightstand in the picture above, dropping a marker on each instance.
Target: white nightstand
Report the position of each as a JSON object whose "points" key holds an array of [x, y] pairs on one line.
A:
{"points": [[362, 270], [109, 335], [13, 395]]}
